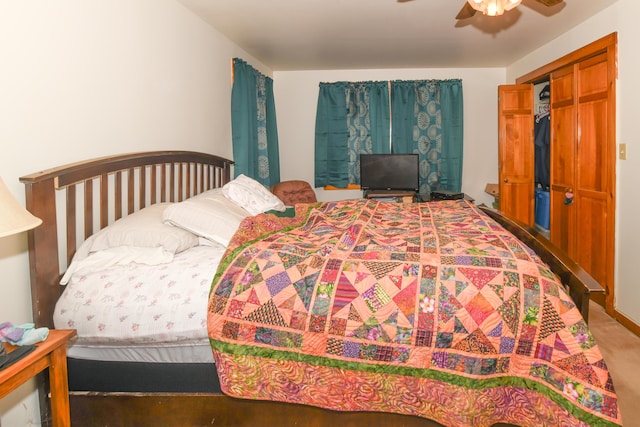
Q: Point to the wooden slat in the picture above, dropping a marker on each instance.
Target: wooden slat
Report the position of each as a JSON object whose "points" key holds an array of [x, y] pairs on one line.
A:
{"points": [[104, 197], [187, 180], [130, 191], [88, 208], [142, 188], [117, 205], [172, 182], [163, 183], [71, 222], [197, 179], [154, 184], [203, 179], [180, 167]]}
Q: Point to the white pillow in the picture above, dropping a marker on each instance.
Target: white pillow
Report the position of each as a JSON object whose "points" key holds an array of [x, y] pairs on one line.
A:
{"points": [[209, 215], [144, 228], [254, 197], [119, 255]]}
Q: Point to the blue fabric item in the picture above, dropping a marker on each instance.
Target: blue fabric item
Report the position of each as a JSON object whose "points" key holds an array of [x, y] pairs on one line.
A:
{"points": [[331, 150], [542, 211], [352, 118], [253, 125], [25, 334], [542, 131], [368, 123], [427, 119]]}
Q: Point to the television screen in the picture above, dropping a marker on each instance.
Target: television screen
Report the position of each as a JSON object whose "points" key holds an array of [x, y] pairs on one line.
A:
{"points": [[389, 172]]}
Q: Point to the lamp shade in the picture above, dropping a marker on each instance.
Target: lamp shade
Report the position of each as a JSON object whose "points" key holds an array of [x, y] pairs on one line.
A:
{"points": [[13, 217]]}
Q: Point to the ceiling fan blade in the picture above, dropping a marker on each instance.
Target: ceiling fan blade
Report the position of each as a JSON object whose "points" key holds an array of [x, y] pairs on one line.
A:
{"points": [[466, 12], [549, 2]]}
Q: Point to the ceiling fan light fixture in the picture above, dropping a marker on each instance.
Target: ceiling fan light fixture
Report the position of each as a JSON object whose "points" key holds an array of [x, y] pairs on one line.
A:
{"points": [[493, 7]]}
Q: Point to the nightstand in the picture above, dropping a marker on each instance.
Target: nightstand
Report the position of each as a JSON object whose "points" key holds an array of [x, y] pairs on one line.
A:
{"points": [[50, 353]]}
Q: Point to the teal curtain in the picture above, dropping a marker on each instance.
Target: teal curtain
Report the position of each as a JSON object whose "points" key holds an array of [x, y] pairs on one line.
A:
{"points": [[351, 119], [427, 119], [253, 125], [331, 151]]}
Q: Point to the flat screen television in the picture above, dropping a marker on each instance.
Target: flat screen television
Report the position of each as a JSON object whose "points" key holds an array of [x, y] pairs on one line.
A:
{"points": [[389, 172]]}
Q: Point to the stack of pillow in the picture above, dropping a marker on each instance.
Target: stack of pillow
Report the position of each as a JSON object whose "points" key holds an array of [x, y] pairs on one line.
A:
{"points": [[153, 235], [216, 214]]}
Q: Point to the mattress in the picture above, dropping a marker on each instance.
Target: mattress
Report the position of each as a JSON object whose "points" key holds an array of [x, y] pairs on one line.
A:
{"points": [[139, 312], [199, 352]]}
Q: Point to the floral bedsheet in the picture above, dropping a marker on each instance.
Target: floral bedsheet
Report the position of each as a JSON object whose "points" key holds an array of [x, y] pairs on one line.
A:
{"points": [[427, 309]]}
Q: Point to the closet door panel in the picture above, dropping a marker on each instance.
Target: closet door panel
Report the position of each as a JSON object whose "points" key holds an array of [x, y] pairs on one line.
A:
{"points": [[591, 229], [562, 148], [562, 215], [563, 159], [593, 174], [593, 76], [561, 221], [563, 86], [592, 159], [516, 151]]}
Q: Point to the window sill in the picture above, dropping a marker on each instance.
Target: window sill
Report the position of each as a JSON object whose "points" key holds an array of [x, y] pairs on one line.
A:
{"points": [[349, 187]]}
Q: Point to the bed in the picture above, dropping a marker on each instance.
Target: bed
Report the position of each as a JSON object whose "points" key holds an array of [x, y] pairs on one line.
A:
{"points": [[184, 390]]}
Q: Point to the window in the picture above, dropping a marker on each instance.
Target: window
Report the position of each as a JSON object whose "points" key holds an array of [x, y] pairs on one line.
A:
{"points": [[427, 119]]}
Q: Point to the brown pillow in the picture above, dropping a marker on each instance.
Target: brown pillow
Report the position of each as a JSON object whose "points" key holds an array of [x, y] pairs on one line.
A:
{"points": [[294, 191]]}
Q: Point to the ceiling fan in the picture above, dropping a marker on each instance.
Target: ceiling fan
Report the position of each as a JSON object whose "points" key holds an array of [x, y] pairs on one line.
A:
{"points": [[494, 7]]}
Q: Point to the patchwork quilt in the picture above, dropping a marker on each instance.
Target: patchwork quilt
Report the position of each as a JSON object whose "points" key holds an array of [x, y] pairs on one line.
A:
{"points": [[428, 309]]}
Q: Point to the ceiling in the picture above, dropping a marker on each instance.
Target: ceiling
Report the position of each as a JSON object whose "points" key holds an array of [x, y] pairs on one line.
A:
{"points": [[290, 35]]}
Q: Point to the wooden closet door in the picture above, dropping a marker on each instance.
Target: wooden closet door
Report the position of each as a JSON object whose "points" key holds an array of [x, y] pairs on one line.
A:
{"points": [[581, 160], [515, 151], [595, 153], [583, 157], [563, 159]]}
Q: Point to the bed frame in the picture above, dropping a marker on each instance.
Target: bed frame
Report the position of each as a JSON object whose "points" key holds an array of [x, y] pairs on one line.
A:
{"points": [[76, 200], [580, 285]]}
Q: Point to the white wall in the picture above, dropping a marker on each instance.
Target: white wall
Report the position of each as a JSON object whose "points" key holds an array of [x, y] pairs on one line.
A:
{"points": [[621, 17], [81, 79], [296, 97]]}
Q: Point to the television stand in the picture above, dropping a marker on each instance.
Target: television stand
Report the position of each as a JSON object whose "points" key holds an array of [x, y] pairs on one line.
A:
{"points": [[391, 195]]}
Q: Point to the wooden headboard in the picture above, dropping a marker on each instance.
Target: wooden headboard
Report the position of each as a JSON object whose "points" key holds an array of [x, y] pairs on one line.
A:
{"points": [[78, 199]]}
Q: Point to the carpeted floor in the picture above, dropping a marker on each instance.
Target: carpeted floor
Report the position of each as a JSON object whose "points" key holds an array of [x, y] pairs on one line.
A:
{"points": [[621, 350]]}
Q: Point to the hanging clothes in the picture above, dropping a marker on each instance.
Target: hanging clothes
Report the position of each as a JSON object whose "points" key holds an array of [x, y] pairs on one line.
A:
{"points": [[542, 132]]}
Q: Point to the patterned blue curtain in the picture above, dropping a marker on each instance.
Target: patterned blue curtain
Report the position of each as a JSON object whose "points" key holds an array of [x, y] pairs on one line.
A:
{"points": [[428, 120], [253, 125], [352, 119]]}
